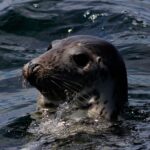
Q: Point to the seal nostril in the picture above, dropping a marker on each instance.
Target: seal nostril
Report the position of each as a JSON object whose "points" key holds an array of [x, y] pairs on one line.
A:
{"points": [[30, 69], [33, 67]]}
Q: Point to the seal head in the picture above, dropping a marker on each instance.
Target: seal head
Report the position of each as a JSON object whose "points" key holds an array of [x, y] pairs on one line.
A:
{"points": [[83, 69]]}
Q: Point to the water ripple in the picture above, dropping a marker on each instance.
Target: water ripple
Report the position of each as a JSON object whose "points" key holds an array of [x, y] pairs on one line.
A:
{"points": [[27, 27]]}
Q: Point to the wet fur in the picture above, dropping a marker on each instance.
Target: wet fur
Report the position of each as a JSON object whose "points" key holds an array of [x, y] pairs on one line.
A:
{"points": [[100, 87]]}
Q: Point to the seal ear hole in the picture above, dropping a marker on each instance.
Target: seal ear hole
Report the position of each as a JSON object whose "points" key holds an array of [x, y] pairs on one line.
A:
{"points": [[81, 59], [99, 59]]}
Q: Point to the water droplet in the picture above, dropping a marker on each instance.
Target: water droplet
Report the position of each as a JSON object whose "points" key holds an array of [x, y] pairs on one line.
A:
{"points": [[86, 13], [35, 5], [134, 22], [102, 28], [93, 17], [96, 120], [70, 30], [144, 24]]}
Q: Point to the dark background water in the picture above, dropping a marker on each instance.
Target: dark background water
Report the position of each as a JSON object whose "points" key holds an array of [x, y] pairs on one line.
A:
{"points": [[26, 29]]}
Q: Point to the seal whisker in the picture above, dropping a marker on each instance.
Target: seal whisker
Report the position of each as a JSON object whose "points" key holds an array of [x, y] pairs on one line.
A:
{"points": [[67, 83], [72, 88], [65, 79], [69, 87], [63, 83], [82, 100], [55, 83]]}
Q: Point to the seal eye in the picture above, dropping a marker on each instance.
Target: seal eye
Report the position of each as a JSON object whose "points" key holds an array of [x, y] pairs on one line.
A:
{"points": [[49, 47], [81, 59]]}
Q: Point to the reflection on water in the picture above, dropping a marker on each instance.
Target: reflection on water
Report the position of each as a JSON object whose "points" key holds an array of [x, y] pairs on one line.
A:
{"points": [[27, 27]]}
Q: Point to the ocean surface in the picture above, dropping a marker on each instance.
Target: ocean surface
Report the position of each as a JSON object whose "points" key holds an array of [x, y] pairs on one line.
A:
{"points": [[26, 29]]}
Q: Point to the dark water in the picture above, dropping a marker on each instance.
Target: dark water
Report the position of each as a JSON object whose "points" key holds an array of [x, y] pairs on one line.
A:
{"points": [[27, 27]]}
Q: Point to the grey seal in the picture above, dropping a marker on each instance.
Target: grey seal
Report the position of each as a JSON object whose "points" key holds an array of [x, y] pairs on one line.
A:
{"points": [[84, 69]]}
